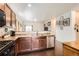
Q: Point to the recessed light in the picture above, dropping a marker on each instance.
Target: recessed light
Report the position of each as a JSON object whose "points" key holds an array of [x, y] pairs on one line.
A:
{"points": [[29, 5], [35, 19]]}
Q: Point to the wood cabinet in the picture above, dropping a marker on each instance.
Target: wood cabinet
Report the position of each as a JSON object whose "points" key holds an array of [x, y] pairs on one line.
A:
{"points": [[11, 17], [68, 51], [35, 44], [2, 6], [8, 15], [13, 20], [23, 44], [43, 42], [28, 44], [19, 25], [39, 43]]}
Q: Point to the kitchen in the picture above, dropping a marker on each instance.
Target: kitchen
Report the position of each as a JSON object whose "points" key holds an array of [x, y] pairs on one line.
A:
{"points": [[23, 40], [22, 33]]}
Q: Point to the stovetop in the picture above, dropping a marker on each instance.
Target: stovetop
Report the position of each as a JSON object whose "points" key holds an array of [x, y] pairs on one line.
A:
{"points": [[4, 43], [6, 48]]}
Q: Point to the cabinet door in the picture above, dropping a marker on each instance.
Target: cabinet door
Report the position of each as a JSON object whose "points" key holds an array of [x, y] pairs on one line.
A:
{"points": [[39, 43], [35, 44], [2, 6], [8, 15], [13, 20], [24, 44], [42, 43]]}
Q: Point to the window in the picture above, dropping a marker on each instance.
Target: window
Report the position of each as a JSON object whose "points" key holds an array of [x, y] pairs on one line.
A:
{"points": [[28, 28]]}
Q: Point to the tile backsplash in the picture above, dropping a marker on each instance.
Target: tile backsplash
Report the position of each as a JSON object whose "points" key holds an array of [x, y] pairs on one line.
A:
{"points": [[2, 31]]}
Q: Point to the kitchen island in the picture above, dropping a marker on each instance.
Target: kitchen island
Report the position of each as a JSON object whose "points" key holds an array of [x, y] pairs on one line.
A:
{"points": [[71, 48], [27, 43]]}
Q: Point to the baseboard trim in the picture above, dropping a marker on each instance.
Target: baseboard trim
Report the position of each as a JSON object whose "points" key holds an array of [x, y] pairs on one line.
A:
{"points": [[19, 54]]}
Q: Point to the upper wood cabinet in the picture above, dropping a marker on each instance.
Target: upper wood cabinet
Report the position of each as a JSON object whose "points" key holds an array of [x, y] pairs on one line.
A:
{"points": [[13, 20], [2, 6], [11, 17], [8, 15]]}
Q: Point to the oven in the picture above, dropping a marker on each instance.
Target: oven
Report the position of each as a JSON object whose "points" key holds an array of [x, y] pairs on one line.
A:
{"points": [[8, 49]]}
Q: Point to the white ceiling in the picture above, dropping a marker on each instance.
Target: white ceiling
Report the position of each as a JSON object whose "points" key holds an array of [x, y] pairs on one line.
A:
{"points": [[40, 11]]}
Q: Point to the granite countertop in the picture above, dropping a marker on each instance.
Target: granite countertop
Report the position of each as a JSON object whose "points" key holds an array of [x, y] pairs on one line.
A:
{"points": [[13, 37], [72, 44], [17, 36]]}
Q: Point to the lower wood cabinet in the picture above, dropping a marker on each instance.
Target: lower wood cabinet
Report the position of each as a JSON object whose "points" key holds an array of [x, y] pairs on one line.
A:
{"points": [[23, 44], [35, 44], [68, 51], [39, 43], [27, 44], [43, 43]]}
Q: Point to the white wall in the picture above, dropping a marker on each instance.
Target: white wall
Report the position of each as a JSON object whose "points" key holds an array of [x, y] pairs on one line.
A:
{"points": [[68, 33], [37, 26]]}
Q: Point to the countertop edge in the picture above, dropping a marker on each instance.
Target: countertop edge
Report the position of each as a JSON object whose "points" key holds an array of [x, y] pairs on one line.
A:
{"points": [[70, 46]]}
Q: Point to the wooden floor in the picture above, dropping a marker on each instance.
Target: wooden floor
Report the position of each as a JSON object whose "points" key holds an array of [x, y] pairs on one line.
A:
{"points": [[57, 51]]}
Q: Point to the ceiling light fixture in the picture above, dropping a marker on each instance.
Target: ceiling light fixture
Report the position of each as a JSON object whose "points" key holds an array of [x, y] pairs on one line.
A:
{"points": [[29, 5]]}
